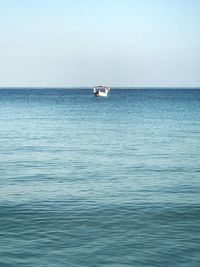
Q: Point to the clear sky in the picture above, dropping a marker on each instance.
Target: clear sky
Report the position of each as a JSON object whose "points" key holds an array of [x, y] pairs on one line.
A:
{"points": [[139, 43]]}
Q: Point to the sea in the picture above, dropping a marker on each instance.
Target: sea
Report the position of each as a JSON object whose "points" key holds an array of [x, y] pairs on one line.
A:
{"points": [[93, 181]]}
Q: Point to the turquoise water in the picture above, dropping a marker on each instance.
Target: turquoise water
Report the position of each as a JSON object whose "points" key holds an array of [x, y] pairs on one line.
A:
{"points": [[88, 181]]}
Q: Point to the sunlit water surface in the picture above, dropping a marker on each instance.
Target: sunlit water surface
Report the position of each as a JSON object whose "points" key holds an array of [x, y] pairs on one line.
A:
{"points": [[88, 181]]}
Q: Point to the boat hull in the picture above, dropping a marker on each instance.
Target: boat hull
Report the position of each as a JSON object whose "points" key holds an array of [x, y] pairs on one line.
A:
{"points": [[97, 94], [101, 91]]}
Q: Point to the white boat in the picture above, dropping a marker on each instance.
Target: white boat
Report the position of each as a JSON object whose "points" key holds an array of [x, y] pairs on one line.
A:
{"points": [[101, 90]]}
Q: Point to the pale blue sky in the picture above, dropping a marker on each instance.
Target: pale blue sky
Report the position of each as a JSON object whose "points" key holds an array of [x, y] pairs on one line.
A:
{"points": [[139, 43]]}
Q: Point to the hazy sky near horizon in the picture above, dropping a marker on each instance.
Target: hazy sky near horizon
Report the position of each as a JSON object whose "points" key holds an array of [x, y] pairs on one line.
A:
{"points": [[68, 43]]}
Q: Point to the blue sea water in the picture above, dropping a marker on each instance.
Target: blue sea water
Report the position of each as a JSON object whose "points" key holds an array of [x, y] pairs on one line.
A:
{"points": [[88, 181]]}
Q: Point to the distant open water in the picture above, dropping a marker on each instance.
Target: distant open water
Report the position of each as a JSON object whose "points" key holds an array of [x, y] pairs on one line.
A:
{"points": [[88, 181]]}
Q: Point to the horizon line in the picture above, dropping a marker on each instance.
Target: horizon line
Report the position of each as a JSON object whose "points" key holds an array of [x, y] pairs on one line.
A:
{"points": [[90, 87]]}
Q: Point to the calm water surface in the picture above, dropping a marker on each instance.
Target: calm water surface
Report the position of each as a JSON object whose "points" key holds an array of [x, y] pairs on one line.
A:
{"points": [[88, 181]]}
